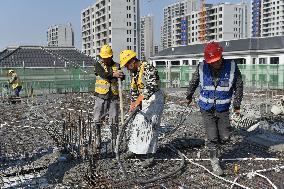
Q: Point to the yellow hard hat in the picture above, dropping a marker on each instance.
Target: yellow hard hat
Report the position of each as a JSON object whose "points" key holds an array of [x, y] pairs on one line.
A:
{"points": [[106, 52], [10, 71], [125, 56]]}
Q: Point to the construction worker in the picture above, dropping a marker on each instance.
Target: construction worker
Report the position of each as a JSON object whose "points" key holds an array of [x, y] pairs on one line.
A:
{"points": [[145, 92], [15, 82], [219, 79], [106, 91]]}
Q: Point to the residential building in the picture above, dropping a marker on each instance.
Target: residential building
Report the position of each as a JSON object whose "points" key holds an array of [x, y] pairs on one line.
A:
{"points": [[60, 36], [171, 24], [271, 18], [111, 22], [146, 37], [224, 21], [256, 18]]}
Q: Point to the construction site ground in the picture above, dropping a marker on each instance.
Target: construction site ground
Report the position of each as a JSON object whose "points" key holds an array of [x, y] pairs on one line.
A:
{"points": [[33, 153]]}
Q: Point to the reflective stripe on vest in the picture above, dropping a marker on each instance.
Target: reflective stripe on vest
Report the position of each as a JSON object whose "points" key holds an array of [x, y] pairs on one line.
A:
{"points": [[219, 96], [139, 84], [103, 86]]}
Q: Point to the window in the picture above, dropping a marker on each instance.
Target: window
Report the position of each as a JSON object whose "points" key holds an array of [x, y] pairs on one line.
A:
{"points": [[262, 61], [274, 60], [185, 62]]}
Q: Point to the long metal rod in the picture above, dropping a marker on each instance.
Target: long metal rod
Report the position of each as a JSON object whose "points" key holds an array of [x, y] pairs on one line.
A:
{"points": [[121, 101]]}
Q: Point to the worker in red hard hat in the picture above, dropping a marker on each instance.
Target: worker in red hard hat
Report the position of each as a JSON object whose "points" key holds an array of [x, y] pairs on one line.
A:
{"points": [[219, 80]]}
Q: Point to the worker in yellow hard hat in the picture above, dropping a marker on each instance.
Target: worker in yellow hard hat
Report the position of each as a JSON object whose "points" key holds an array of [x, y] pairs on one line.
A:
{"points": [[15, 82], [146, 93], [106, 91]]}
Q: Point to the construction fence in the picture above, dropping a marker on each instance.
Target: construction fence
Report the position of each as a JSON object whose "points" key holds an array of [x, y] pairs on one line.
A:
{"points": [[254, 76], [37, 81]]}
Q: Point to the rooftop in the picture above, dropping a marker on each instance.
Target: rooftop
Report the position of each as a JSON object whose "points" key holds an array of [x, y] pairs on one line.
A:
{"points": [[39, 56], [247, 44]]}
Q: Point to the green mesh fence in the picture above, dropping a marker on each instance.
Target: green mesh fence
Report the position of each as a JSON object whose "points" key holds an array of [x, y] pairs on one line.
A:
{"points": [[52, 80], [38, 81], [59, 80], [258, 76]]}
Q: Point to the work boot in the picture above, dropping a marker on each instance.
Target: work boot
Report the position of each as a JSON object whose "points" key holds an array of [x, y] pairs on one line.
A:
{"points": [[213, 155], [149, 161], [217, 170]]}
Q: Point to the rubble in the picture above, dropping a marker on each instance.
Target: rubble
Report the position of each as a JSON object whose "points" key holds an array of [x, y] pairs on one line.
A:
{"points": [[34, 149]]}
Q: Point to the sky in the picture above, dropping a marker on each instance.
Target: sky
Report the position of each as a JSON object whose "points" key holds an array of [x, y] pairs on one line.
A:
{"points": [[25, 22]]}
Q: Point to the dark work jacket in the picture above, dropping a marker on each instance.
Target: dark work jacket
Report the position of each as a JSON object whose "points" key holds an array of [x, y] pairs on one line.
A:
{"points": [[237, 84], [99, 70]]}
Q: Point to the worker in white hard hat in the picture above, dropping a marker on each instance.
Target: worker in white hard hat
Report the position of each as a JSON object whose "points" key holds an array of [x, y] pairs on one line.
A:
{"points": [[146, 93], [15, 82], [106, 91]]}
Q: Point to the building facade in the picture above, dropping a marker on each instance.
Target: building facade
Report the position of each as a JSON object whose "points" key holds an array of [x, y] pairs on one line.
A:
{"points": [[272, 18], [146, 37], [222, 22], [256, 18], [60, 36], [261, 61], [267, 18], [170, 31], [113, 22]]}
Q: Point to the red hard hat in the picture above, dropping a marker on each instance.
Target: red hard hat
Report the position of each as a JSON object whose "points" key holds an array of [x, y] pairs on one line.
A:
{"points": [[213, 52]]}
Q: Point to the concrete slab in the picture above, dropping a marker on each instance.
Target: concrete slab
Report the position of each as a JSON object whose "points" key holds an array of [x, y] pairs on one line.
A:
{"points": [[274, 142]]}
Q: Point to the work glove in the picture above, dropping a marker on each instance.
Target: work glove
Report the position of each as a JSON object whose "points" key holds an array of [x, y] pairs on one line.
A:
{"points": [[118, 74], [132, 106], [138, 102], [186, 102]]}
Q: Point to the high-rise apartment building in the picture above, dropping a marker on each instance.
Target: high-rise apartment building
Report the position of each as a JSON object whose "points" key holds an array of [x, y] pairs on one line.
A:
{"points": [[222, 22], [256, 18], [113, 22], [60, 36], [170, 31], [267, 18], [146, 37]]}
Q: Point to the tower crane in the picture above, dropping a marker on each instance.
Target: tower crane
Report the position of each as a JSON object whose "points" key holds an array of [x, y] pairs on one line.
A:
{"points": [[202, 25]]}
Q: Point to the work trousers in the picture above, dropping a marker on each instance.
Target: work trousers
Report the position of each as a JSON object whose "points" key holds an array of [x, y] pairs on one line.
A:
{"points": [[17, 91], [104, 106], [217, 127]]}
